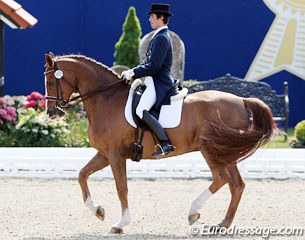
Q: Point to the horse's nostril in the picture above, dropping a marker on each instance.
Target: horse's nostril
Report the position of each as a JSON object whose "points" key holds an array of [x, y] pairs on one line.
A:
{"points": [[52, 111]]}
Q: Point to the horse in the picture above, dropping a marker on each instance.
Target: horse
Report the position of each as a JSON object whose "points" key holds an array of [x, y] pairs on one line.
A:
{"points": [[225, 128]]}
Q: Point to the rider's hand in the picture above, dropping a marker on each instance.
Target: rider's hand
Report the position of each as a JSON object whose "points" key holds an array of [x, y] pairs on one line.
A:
{"points": [[127, 75]]}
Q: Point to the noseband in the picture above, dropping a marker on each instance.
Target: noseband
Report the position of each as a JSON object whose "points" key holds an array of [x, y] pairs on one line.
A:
{"points": [[63, 104]]}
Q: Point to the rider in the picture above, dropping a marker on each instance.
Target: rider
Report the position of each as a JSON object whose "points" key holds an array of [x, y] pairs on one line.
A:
{"points": [[156, 70]]}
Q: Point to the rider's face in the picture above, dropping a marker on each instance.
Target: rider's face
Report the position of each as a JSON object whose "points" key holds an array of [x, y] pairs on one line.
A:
{"points": [[155, 22]]}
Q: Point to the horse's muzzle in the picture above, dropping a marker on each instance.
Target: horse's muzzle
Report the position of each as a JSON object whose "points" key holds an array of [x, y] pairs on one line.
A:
{"points": [[53, 112]]}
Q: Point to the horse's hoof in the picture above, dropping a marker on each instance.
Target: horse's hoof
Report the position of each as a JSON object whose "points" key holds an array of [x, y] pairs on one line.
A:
{"points": [[193, 218], [115, 230], [100, 213]]}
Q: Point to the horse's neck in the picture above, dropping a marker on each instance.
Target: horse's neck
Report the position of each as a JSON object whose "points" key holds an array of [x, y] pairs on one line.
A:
{"points": [[94, 76], [111, 94]]}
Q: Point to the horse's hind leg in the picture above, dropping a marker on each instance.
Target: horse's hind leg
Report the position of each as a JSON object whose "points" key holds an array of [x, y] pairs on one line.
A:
{"points": [[237, 186], [220, 177], [96, 163]]}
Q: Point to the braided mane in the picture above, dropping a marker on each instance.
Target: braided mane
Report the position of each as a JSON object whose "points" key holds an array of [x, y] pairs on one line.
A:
{"points": [[87, 59]]}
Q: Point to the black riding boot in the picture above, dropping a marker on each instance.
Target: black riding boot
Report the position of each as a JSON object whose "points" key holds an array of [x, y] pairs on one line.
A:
{"points": [[157, 129]]}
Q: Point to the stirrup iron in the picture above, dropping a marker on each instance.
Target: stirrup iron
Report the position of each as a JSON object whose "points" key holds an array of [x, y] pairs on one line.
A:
{"points": [[159, 147]]}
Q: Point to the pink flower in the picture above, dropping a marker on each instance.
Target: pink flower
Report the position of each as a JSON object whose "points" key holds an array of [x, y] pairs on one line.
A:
{"points": [[43, 103], [11, 111], [3, 113], [8, 118], [30, 104], [1, 122], [34, 96], [5, 116], [2, 102]]}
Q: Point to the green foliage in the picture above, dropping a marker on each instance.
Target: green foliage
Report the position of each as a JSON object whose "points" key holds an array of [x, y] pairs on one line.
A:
{"points": [[77, 136], [35, 129], [299, 131], [126, 49]]}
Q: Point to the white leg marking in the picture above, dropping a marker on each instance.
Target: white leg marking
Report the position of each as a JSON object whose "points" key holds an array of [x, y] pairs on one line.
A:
{"points": [[90, 204], [125, 220], [199, 201]]}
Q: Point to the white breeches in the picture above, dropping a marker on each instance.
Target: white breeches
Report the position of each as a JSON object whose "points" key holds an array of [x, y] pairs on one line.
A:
{"points": [[148, 98]]}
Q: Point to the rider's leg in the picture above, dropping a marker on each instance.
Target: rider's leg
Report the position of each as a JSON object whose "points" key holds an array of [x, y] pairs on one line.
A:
{"points": [[148, 99], [157, 129]]}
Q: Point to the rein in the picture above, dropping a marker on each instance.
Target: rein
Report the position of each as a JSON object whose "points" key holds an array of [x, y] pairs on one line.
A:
{"points": [[63, 104]]}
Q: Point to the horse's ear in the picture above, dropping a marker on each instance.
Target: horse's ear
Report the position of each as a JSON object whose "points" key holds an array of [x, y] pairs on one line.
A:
{"points": [[51, 54], [49, 59]]}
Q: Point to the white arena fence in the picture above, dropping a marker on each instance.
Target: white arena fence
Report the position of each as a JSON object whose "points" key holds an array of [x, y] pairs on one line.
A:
{"points": [[67, 162]]}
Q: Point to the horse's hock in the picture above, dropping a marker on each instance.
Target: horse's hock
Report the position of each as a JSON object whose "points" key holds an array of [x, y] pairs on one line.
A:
{"points": [[177, 69], [279, 104]]}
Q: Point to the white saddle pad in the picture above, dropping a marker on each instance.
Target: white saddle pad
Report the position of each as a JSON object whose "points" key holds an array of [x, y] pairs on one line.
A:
{"points": [[170, 115]]}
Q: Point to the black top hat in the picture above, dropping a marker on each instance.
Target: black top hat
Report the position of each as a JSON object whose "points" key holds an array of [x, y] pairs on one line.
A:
{"points": [[160, 8]]}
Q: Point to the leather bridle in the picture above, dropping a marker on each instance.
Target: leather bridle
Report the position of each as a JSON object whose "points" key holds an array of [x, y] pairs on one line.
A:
{"points": [[64, 104]]}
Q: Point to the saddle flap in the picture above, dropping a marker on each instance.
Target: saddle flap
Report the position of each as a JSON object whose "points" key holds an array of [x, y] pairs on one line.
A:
{"points": [[169, 115]]}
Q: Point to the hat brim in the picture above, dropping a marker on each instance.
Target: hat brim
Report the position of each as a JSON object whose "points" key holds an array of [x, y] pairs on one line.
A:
{"points": [[161, 12]]}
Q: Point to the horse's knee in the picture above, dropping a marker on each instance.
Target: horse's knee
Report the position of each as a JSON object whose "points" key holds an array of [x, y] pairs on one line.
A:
{"points": [[82, 176]]}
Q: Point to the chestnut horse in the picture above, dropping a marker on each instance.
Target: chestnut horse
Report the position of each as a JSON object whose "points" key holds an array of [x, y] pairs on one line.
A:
{"points": [[215, 123]]}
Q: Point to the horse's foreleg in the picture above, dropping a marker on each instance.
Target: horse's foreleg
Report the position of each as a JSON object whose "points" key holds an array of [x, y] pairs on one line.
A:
{"points": [[120, 177], [96, 163], [237, 186], [220, 177]]}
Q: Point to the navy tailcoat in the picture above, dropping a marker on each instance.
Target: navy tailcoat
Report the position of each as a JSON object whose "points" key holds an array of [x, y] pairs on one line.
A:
{"points": [[157, 64]]}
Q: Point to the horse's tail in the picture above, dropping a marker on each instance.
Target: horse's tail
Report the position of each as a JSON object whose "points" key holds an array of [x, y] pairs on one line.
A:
{"points": [[262, 122], [229, 146]]}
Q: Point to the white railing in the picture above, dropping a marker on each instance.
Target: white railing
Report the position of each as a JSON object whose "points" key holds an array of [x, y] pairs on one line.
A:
{"points": [[66, 163]]}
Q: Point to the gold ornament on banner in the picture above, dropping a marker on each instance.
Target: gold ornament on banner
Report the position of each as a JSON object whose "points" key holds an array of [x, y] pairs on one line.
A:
{"points": [[284, 45]]}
